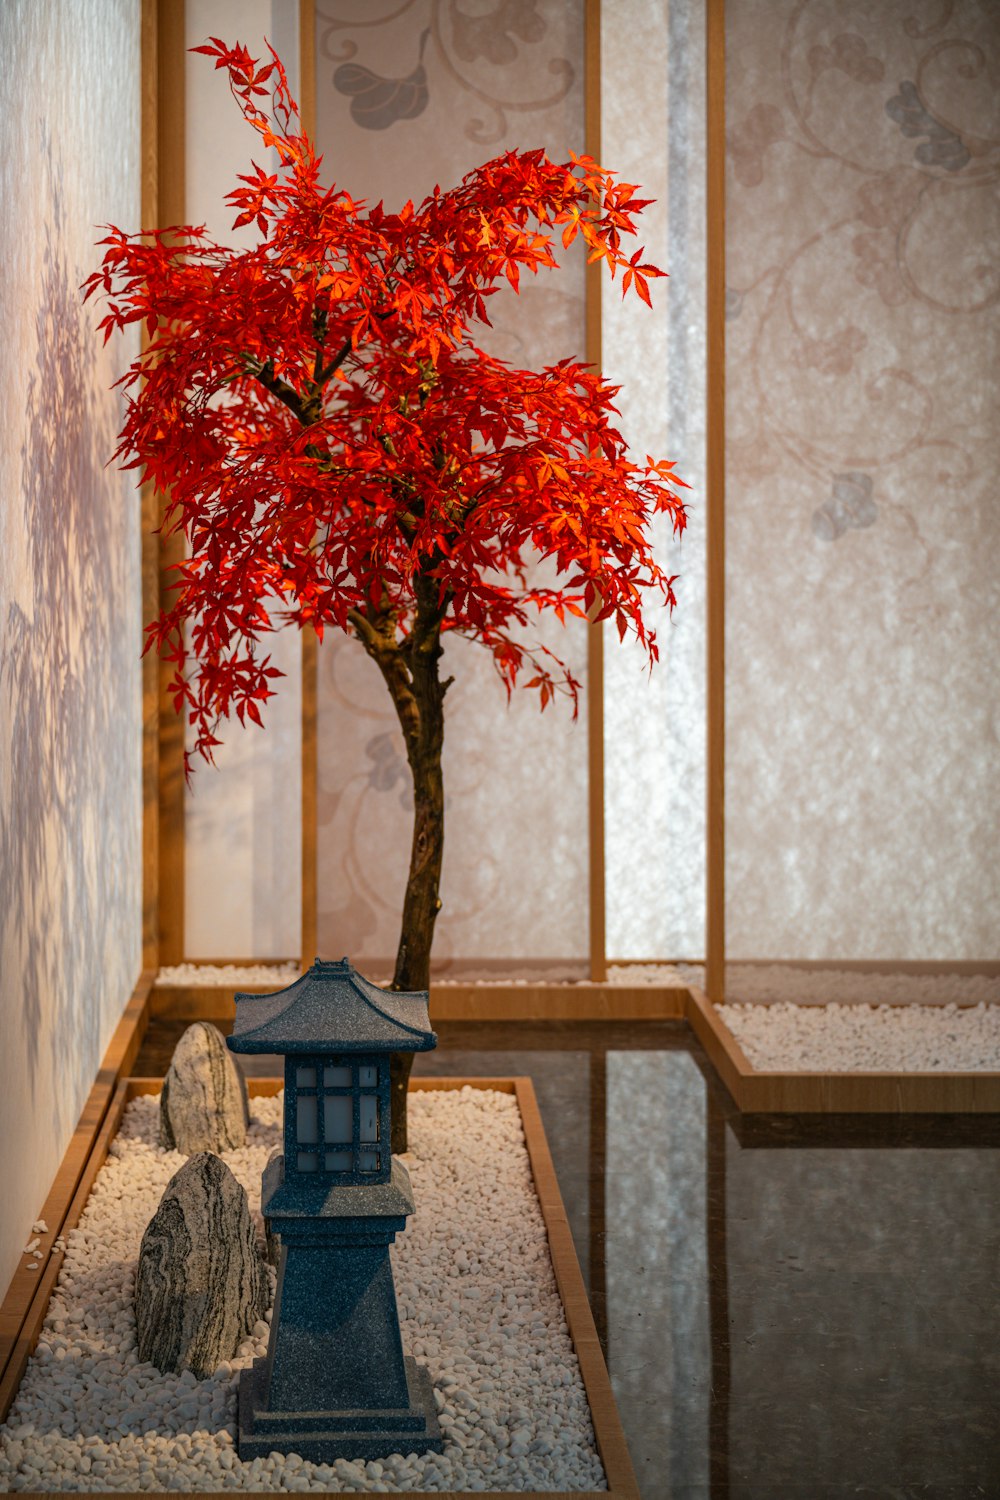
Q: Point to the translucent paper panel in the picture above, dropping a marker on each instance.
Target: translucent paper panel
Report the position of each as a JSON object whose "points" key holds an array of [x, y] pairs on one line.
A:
{"points": [[242, 851], [653, 133], [70, 589], [862, 241], [515, 872]]}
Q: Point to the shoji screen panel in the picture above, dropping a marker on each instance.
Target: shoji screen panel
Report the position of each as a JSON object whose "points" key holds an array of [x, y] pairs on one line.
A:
{"points": [[863, 448], [653, 134], [241, 823], [515, 883]]}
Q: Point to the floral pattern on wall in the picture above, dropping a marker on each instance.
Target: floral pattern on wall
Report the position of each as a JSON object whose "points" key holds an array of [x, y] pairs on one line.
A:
{"points": [[477, 56], [863, 262]]}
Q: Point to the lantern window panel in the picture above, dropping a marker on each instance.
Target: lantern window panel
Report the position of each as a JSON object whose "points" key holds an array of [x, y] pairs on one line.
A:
{"points": [[338, 1116], [338, 1119], [369, 1121], [307, 1120]]}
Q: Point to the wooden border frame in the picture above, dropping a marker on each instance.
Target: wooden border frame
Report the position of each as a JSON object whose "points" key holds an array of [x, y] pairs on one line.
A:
{"points": [[594, 355], [755, 1091], [608, 1431]]}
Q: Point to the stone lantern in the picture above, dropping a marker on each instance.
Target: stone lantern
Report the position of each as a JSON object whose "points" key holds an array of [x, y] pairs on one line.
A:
{"points": [[335, 1382]]}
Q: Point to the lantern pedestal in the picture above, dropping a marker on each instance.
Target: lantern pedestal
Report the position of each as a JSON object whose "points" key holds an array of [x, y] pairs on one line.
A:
{"points": [[335, 1382]]}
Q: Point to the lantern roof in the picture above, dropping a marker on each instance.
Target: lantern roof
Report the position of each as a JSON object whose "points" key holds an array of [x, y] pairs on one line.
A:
{"points": [[332, 1008]]}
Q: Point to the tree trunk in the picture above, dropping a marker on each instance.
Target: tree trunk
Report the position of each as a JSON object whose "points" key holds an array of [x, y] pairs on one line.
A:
{"points": [[411, 673], [422, 901]]}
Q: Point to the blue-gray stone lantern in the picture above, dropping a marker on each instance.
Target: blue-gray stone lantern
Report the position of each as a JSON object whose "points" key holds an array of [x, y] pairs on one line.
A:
{"points": [[335, 1382]]}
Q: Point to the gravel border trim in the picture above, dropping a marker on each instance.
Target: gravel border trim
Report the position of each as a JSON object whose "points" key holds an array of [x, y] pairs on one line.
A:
{"points": [[817, 1091]]}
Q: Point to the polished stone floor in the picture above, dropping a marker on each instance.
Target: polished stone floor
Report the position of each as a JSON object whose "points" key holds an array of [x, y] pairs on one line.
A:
{"points": [[791, 1309]]}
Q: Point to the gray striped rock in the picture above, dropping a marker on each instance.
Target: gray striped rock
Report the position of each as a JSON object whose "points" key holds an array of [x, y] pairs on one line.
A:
{"points": [[200, 1285], [203, 1105], [272, 1239]]}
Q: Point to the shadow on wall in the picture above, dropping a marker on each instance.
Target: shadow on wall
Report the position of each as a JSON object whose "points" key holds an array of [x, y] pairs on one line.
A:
{"points": [[69, 823]]}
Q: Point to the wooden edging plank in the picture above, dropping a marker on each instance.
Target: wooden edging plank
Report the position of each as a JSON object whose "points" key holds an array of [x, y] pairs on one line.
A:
{"points": [[604, 1414], [756, 1091], [724, 1051], [18, 1331], [584, 1001]]}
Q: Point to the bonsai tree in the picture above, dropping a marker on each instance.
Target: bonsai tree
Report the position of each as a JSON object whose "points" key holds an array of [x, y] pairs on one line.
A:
{"points": [[328, 435]]}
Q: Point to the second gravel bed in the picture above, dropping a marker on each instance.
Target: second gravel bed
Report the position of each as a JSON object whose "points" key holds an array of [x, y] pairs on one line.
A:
{"points": [[787, 1038]]}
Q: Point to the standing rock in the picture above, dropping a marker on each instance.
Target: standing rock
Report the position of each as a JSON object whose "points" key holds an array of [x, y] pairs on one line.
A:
{"points": [[203, 1106], [272, 1239], [200, 1285]]}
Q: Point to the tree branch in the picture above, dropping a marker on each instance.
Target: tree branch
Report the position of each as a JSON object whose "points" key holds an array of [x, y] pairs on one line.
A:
{"points": [[263, 370]]}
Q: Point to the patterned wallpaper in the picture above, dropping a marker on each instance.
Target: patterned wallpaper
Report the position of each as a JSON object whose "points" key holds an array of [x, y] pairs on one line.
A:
{"points": [[863, 268], [409, 95], [70, 628]]}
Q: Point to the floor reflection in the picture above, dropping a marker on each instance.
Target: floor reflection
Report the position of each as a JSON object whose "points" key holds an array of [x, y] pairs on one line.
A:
{"points": [[657, 1264], [792, 1309]]}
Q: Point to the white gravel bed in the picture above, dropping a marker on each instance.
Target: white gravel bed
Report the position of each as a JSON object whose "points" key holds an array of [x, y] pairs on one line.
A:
{"points": [[790, 1038], [226, 975], [641, 974], [477, 1301]]}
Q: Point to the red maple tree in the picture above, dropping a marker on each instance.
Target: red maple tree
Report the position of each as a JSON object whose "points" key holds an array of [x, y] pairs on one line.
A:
{"points": [[327, 435]]}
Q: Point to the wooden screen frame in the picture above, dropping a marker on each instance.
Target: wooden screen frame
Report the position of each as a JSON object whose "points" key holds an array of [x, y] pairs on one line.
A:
{"points": [[715, 500], [167, 205]]}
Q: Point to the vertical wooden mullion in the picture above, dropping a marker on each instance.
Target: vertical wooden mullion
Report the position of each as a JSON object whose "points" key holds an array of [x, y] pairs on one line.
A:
{"points": [[715, 375], [148, 521], [595, 629], [170, 209], [310, 652]]}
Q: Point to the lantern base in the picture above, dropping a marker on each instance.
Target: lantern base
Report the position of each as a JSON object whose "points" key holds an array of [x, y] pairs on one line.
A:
{"points": [[319, 1437]]}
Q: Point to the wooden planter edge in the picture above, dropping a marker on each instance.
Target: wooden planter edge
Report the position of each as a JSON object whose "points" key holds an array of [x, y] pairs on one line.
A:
{"points": [[608, 1431], [582, 1001], [756, 1091]]}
